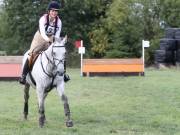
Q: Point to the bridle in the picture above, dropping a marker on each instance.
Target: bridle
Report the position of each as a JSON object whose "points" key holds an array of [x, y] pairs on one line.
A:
{"points": [[53, 63], [56, 59]]}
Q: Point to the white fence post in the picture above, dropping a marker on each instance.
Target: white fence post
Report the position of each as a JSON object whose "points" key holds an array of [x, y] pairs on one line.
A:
{"points": [[81, 51], [144, 44]]}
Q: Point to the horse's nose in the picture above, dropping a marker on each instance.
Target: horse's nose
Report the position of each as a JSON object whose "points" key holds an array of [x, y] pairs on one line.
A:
{"points": [[60, 73]]}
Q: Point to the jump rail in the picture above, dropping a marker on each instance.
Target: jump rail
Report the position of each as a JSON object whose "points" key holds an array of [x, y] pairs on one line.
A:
{"points": [[92, 67], [10, 67]]}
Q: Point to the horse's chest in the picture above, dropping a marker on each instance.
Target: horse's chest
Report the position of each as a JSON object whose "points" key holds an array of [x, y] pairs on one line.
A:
{"points": [[53, 82]]}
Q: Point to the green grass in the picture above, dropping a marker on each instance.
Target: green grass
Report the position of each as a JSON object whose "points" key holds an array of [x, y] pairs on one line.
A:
{"points": [[137, 105]]}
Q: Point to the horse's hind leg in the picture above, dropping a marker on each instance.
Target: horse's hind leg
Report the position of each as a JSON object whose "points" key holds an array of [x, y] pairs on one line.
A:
{"points": [[26, 97]]}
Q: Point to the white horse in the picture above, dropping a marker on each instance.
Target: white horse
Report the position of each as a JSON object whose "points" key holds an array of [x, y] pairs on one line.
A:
{"points": [[47, 73]]}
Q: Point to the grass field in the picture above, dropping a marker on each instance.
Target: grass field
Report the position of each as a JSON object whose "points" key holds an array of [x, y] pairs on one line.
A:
{"points": [[137, 105]]}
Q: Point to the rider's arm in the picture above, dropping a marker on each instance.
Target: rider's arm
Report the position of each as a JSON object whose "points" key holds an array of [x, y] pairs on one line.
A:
{"points": [[42, 22], [59, 25]]}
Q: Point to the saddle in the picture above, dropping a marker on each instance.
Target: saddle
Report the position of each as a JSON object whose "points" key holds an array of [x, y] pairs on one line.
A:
{"points": [[35, 53], [32, 59]]}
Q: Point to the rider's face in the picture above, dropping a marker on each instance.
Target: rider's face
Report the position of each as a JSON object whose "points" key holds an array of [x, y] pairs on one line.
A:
{"points": [[53, 13]]}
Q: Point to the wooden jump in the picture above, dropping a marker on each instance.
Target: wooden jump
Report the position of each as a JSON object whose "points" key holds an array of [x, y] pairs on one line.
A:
{"points": [[93, 67], [10, 67]]}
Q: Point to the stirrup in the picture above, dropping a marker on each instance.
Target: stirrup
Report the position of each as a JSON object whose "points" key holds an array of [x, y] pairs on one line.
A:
{"points": [[66, 78]]}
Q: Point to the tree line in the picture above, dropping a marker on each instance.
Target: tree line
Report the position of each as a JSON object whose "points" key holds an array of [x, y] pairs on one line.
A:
{"points": [[109, 28]]}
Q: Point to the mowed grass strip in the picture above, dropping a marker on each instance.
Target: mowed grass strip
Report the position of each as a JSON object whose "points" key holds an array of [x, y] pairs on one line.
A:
{"points": [[135, 105]]}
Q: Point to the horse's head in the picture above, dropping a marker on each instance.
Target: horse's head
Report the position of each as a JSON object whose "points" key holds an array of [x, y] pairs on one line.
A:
{"points": [[59, 50], [56, 53]]}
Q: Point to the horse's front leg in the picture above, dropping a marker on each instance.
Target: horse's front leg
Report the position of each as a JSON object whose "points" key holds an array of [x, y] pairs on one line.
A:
{"points": [[26, 97], [60, 89], [69, 122], [41, 97]]}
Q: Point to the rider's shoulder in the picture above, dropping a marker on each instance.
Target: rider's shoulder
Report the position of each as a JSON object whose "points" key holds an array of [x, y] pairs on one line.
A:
{"points": [[43, 18], [59, 20]]}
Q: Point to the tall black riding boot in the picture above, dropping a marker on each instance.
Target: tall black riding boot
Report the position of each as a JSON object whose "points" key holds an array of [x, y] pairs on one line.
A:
{"points": [[25, 71], [66, 76]]}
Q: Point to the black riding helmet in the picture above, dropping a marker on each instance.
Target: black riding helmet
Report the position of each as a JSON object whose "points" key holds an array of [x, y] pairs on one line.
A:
{"points": [[53, 5]]}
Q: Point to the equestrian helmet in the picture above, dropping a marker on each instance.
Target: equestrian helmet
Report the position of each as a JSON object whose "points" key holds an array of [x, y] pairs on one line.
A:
{"points": [[53, 5]]}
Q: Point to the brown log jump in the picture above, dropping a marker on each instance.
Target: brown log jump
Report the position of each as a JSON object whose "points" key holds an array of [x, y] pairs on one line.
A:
{"points": [[93, 67]]}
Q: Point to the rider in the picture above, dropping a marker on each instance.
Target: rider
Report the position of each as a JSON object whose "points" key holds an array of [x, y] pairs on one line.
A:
{"points": [[49, 29]]}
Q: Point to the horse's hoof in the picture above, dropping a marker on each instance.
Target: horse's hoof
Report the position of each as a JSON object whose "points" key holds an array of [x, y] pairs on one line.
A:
{"points": [[69, 123], [25, 117], [41, 125], [41, 121]]}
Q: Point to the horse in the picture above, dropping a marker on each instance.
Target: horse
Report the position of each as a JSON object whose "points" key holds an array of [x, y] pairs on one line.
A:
{"points": [[47, 73]]}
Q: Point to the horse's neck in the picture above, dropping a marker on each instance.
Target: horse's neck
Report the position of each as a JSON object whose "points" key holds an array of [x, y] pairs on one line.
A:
{"points": [[47, 56]]}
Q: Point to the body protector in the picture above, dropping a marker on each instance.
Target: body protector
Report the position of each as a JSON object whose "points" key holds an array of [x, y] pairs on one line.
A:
{"points": [[51, 28]]}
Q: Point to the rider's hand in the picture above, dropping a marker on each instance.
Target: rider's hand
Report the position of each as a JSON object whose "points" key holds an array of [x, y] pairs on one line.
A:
{"points": [[51, 39]]}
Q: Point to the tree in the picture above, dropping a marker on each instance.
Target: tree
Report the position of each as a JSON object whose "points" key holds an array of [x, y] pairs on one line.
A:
{"points": [[170, 12], [79, 18], [121, 31], [18, 30], [126, 24], [109, 28]]}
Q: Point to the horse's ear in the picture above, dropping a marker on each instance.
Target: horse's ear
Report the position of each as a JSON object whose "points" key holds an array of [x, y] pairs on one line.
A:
{"points": [[63, 40]]}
